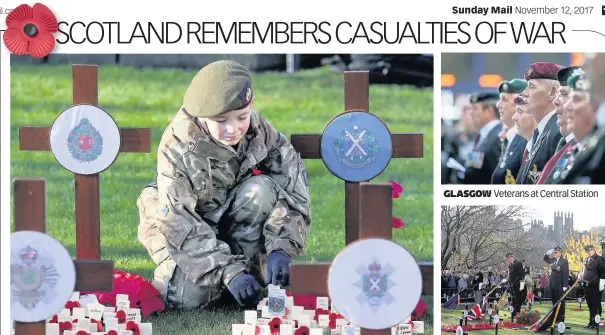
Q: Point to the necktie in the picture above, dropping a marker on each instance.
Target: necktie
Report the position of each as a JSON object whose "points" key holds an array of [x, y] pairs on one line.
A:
{"points": [[534, 139], [561, 144], [477, 137]]}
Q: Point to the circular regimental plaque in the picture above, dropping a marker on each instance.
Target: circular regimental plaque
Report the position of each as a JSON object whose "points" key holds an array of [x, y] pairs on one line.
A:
{"points": [[43, 276], [85, 139], [375, 283], [356, 146]]}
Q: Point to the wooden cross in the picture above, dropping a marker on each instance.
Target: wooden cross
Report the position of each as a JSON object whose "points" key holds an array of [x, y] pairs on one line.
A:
{"points": [[408, 145], [357, 92], [374, 215], [88, 232], [30, 214]]}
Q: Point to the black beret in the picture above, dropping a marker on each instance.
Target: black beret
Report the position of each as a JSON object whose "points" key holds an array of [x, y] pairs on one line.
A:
{"points": [[564, 74], [558, 249], [483, 96], [510, 254], [512, 86], [588, 247]]}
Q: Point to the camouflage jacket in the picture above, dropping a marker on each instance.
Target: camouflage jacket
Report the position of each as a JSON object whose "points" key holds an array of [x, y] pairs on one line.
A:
{"points": [[195, 174]]}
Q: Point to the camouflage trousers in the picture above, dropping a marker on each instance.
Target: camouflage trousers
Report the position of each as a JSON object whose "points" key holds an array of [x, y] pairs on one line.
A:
{"points": [[241, 227]]}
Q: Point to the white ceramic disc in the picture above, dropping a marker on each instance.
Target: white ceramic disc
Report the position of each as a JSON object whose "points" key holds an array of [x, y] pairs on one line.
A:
{"points": [[43, 276], [375, 283], [85, 139]]}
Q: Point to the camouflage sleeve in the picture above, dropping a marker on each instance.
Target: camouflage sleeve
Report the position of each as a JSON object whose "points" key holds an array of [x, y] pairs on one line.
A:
{"points": [[289, 222], [192, 243]]}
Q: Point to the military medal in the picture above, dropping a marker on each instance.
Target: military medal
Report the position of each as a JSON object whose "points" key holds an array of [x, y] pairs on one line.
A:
{"points": [[85, 139], [556, 174], [42, 276], [375, 283]]}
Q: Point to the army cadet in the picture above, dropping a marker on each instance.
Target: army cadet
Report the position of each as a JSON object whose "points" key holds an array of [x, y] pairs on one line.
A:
{"points": [[559, 278], [594, 281], [483, 159], [229, 207], [513, 143], [516, 275], [541, 92], [555, 166], [589, 159]]}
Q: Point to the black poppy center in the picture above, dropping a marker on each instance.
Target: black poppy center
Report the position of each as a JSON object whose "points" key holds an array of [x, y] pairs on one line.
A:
{"points": [[30, 30]]}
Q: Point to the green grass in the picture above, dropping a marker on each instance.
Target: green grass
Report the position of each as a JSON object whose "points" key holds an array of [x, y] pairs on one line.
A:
{"points": [[574, 319], [300, 103]]}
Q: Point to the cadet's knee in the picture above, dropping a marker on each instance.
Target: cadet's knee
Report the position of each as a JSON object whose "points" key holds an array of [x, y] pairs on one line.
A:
{"points": [[258, 190], [184, 294]]}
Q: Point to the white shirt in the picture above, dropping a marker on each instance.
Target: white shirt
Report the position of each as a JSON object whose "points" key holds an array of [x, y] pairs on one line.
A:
{"points": [[569, 137], [486, 129], [601, 115], [541, 126], [510, 134]]}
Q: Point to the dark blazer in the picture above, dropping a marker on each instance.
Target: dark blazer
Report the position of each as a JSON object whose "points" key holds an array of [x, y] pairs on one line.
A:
{"points": [[515, 274], [589, 165], [490, 149], [477, 279], [594, 270], [559, 276], [541, 152], [512, 162]]}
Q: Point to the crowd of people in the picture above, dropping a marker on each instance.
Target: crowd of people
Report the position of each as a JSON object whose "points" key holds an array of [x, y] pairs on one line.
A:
{"points": [[517, 286], [547, 127]]}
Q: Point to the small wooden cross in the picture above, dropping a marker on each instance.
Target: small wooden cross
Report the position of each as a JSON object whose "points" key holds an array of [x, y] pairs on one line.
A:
{"points": [[88, 232], [30, 214], [312, 278], [409, 145]]}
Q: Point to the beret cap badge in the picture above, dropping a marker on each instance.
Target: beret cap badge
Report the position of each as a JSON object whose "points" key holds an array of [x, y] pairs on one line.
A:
{"points": [[248, 94], [505, 86], [529, 71]]}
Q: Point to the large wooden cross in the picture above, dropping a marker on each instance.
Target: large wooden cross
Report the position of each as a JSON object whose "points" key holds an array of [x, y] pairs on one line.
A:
{"points": [[374, 215], [357, 93], [30, 214], [408, 145], [88, 232]]}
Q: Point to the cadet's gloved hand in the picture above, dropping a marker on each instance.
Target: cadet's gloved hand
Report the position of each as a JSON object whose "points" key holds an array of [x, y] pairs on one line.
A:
{"points": [[601, 284], [245, 289], [278, 269]]}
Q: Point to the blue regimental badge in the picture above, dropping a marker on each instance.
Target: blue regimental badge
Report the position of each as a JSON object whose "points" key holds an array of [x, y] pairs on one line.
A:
{"points": [[375, 284], [33, 278], [84, 142], [356, 146]]}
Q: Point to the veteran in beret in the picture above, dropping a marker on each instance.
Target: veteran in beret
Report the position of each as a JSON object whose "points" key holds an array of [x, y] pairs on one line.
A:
{"points": [[559, 278], [594, 281], [541, 92], [516, 276], [552, 173], [588, 116], [229, 207], [513, 143], [483, 159]]}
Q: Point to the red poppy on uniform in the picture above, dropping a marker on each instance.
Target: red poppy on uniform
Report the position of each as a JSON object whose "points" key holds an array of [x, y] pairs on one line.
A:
{"points": [[29, 30]]}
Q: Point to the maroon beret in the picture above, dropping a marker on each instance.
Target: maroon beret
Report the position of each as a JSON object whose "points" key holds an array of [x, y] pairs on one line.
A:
{"points": [[519, 100], [543, 70]]}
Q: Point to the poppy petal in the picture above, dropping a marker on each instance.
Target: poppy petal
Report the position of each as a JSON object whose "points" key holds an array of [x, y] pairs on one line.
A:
{"points": [[42, 45], [16, 18], [14, 41], [44, 19]]}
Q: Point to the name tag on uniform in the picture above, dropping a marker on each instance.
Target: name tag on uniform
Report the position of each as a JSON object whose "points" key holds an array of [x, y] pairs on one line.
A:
{"points": [[475, 159]]}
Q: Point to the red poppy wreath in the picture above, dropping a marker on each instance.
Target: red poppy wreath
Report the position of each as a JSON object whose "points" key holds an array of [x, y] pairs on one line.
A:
{"points": [[29, 30]]}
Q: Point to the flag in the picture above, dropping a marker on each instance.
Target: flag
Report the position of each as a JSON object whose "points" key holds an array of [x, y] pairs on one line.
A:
{"points": [[475, 313], [452, 303], [503, 302]]}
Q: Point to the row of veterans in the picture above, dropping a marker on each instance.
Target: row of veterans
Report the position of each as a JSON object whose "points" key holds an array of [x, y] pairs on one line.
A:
{"points": [[545, 128]]}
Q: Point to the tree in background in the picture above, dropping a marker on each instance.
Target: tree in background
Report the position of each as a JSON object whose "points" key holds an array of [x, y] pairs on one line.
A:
{"points": [[574, 249]]}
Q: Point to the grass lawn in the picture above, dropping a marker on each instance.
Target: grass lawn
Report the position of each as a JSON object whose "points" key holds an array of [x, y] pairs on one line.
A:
{"points": [[574, 319], [300, 103]]}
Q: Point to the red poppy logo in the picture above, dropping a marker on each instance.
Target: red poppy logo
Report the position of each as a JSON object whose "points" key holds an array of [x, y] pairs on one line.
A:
{"points": [[29, 30]]}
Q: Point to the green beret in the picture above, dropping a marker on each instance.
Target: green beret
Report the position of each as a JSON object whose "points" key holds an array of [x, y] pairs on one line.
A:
{"points": [[218, 88], [564, 74], [579, 82], [512, 86]]}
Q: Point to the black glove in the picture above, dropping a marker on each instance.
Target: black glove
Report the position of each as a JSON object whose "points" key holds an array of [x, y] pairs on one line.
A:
{"points": [[278, 268], [245, 289]]}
